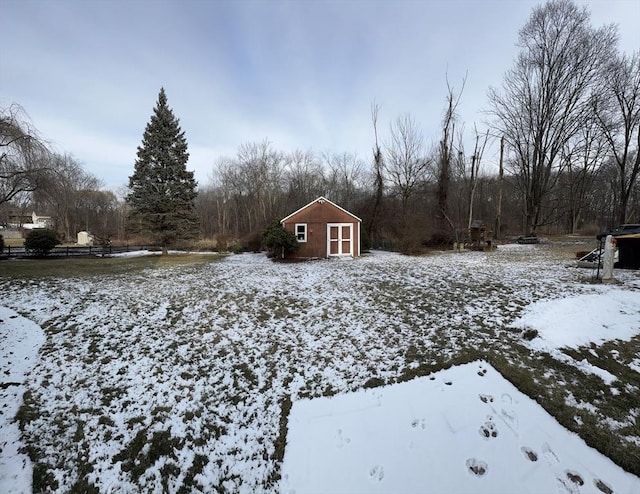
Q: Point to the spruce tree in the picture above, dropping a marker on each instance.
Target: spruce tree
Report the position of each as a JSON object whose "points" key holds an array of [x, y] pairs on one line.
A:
{"points": [[161, 191]]}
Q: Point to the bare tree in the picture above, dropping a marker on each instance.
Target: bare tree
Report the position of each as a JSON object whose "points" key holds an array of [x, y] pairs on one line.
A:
{"points": [[474, 170], [582, 155], [304, 178], [544, 97], [262, 168], [446, 156], [23, 156], [346, 171], [406, 163], [250, 188], [498, 232], [97, 211], [378, 166], [618, 113], [62, 192]]}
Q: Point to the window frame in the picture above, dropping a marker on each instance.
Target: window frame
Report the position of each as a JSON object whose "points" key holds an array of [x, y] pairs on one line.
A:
{"points": [[303, 234]]}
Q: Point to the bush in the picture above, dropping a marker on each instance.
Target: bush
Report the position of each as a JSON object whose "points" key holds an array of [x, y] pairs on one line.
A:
{"points": [[277, 240], [439, 240], [41, 241], [251, 243], [365, 241]]}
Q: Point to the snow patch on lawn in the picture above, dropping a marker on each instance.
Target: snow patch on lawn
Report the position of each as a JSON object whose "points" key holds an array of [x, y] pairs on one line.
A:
{"points": [[611, 314], [464, 430], [20, 340]]}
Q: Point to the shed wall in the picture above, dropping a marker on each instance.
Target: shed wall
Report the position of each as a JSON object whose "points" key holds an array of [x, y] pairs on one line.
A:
{"points": [[316, 217]]}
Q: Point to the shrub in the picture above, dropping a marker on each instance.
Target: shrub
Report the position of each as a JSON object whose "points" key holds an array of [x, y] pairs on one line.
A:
{"points": [[439, 240], [249, 243], [365, 241], [276, 239], [41, 241], [253, 242]]}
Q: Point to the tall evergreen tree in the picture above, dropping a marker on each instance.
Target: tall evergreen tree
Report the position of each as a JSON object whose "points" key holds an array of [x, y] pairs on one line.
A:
{"points": [[161, 191]]}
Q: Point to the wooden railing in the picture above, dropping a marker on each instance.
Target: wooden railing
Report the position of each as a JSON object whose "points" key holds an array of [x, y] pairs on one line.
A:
{"points": [[77, 251]]}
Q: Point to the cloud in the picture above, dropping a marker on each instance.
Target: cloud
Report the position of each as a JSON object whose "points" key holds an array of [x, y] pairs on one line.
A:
{"points": [[301, 74]]}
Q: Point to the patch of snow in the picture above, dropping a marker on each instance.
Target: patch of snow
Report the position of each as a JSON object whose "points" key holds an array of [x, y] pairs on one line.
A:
{"points": [[613, 313], [464, 430], [146, 252], [587, 367], [20, 340], [135, 253]]}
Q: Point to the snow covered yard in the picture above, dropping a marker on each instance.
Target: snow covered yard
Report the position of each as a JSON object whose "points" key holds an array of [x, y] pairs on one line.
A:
{"points": [[181, 378]]}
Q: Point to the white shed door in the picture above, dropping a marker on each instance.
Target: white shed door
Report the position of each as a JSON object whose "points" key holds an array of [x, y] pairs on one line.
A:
{"points": [[339, 239]]}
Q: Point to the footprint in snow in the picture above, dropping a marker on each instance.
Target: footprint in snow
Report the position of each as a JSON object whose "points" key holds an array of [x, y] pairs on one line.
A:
{"points": [[603, 486], [486, 398], [566, 487], [549, 454], [488, 430], [574, 477], [477, 467], [421, 423], [342, 439], [376, 473], [482, 371], [530, 454], [511, 418]]}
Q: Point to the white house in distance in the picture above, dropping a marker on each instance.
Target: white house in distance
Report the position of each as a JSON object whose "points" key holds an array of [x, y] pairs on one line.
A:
{"points": [[38, 222]]}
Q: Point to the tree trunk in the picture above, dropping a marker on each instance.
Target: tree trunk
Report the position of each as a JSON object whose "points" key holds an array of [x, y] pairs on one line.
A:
{"points": [[472, 189], [500, 183]]}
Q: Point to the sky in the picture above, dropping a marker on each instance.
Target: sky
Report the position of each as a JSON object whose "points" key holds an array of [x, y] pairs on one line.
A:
{"points": [[300, 74]]}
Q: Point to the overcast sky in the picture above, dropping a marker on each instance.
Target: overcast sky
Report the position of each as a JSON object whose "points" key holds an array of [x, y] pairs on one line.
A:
{"points": [[300, 73]]}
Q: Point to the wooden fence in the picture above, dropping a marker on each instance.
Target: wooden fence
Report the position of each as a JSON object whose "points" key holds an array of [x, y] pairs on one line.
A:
{"points": [[77, 251]]}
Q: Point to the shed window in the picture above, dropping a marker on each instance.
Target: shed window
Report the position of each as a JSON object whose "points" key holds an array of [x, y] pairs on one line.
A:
{"points": [[301, 232]]}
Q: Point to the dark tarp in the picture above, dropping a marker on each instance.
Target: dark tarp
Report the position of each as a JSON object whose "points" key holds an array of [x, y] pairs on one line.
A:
{"points": [[628, 251]]}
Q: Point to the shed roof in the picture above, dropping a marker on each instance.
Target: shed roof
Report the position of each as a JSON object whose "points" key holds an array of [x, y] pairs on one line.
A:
{"points": [[320, 200]]}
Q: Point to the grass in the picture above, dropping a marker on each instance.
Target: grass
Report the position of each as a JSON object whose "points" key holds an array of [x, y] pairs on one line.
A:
{"points": [[13, 242], [96, 266], [224, 356]]}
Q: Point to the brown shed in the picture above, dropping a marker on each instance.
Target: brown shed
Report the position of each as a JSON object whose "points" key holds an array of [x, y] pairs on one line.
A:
{"points": [[323, 230]]}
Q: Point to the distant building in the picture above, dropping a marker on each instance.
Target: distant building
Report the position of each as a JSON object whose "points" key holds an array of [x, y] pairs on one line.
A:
{"points": [[18, 220], [85, 238], [324, 230], [40, 221]]}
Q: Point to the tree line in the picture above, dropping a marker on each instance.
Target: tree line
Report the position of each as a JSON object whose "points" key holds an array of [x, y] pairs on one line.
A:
{"points": [[564, 126]]}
